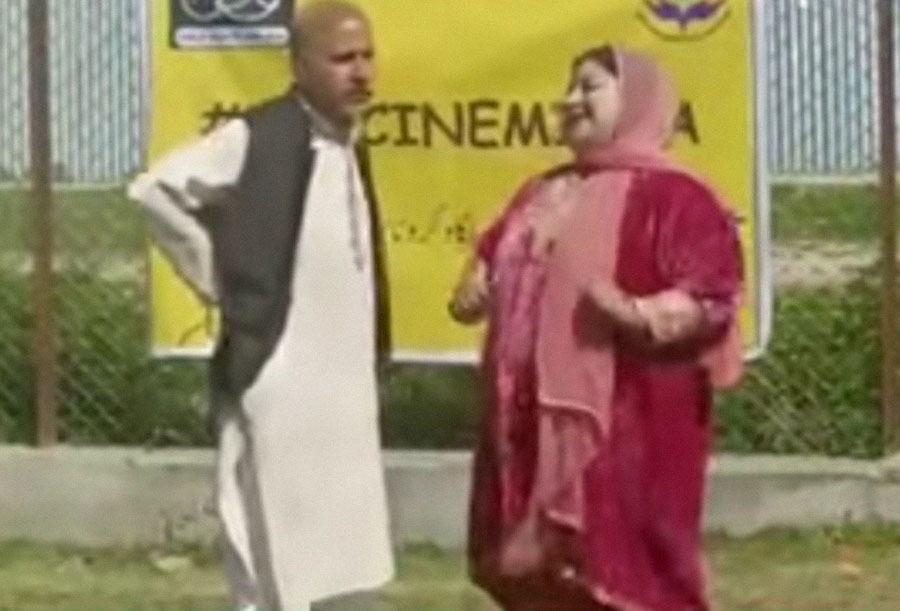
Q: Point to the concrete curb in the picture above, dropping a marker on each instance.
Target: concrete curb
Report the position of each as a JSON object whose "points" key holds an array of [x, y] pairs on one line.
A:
{"points": [[132, 496]]}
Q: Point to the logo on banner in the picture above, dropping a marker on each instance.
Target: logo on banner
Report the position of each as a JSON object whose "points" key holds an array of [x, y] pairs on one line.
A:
{"points": [[684, 20], [247, 11], [210, 24]]}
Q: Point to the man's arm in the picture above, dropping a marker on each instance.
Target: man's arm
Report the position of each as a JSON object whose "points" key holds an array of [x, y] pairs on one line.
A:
{"points": [[178, 186]]}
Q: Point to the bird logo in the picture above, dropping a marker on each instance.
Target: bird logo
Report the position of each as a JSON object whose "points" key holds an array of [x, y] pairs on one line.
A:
{"points": [[684, 20]]}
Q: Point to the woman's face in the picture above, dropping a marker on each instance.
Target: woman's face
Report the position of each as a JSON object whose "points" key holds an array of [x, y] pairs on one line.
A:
{"points": [[592, 107]]}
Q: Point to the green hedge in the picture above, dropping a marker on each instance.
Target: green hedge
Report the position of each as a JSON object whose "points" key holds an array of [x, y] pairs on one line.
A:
{"points": [[817, 387], [815, 390], [845, 214], [109, 390]]}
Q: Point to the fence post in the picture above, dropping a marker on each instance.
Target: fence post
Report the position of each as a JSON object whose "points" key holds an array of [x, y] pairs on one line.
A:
{"points": [[44, 349], [888, 137]]}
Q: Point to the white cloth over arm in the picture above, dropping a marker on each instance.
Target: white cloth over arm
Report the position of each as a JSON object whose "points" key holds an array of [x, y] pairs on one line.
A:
{"points": [[163, 192]]}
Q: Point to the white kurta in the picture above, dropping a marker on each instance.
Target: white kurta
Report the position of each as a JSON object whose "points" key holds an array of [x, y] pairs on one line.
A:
{"points": [[301, 484]]}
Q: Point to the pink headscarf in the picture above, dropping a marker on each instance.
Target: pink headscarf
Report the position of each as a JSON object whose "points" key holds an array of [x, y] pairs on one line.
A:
{"points": [[649, 106], [575, 375]]}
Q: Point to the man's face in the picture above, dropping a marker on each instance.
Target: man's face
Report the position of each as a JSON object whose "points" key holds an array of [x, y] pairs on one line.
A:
{"points": [[337, 68]]}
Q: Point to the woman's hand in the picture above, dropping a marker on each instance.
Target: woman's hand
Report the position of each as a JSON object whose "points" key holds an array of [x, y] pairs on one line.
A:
{"points": [[470, 298], [613, 302], [672, 316]]}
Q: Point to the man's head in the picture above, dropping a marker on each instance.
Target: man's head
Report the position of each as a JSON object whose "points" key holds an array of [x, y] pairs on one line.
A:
{"points": [[333, 58]]}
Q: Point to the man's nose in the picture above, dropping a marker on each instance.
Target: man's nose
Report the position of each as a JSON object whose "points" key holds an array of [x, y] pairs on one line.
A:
{"points": [[363, 69]]}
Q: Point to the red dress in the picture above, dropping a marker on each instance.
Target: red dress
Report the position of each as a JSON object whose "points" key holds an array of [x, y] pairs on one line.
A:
{"points": [[641, 544]]}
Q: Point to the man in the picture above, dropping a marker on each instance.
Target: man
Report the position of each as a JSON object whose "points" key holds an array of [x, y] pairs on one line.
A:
{"points": [[272, 217]]}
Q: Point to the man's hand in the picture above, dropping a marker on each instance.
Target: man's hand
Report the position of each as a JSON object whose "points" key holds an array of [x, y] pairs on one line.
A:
{"points": [[209, 195], [470, 298]]}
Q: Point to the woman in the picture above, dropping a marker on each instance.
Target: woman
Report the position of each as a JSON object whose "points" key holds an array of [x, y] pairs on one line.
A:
{"points": [[611, 287]]}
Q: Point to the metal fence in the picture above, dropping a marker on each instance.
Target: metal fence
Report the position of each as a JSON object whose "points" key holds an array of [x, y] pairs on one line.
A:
{"points": [[97, 89], [817, 390], [821, 89], [108, 390]]}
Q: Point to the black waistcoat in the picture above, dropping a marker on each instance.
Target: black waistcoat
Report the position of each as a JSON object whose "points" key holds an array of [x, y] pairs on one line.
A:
{"points": [[254, 233]]}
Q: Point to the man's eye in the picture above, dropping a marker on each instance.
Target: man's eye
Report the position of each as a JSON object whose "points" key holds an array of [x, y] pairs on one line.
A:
{"points": [[345, 58]]}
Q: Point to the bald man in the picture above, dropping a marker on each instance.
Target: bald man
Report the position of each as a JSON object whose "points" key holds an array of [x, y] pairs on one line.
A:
{"points": [[272, 217]]}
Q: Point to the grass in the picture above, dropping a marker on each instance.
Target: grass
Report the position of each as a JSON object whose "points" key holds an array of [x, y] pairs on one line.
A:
{"points": [[846, 569], [825, 214]]}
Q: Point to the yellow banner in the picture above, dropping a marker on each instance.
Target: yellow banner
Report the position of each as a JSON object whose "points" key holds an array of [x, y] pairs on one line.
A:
{"points": [[463, 116]]}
